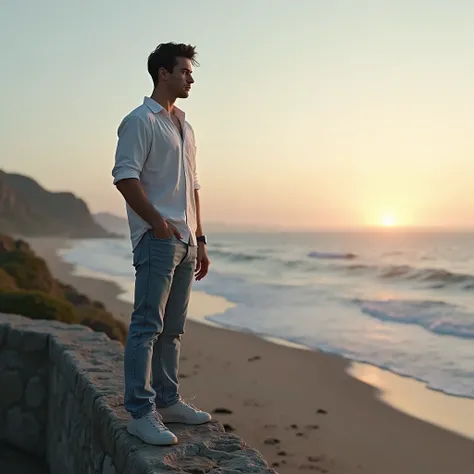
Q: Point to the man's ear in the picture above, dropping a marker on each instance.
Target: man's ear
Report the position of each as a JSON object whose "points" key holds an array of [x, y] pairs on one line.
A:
{"points": [[163, 73]]}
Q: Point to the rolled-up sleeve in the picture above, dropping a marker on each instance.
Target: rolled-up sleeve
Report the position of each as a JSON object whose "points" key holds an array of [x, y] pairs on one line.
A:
{"points": [[133, 147], [194, 147]]}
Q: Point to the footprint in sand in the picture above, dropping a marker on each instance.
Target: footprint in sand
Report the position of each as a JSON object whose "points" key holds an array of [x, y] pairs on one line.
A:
{"points": [[223, 411], [272, 441]]}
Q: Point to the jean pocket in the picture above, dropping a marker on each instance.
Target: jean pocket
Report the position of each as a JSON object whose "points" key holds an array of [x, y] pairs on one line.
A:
{"points": [[158, 239]]}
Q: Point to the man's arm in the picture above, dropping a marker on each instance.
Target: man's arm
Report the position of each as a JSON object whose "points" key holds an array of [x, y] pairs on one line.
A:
{"points": [[199, 230], [132, 151], [133, 193]]}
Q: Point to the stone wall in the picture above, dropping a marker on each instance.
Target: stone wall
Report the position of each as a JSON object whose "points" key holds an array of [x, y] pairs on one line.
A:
{"points": [[61, 398], [23, 389]]}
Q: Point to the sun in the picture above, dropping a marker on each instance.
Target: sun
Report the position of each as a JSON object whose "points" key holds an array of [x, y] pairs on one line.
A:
{"points": [[388, 220]]}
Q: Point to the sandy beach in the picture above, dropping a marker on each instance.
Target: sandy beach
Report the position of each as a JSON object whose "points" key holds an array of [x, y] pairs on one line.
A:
{"points": [[299, 408]]}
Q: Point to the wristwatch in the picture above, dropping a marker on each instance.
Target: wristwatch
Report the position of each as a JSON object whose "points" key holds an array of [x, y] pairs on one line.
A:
{"points": [[202, 238]]}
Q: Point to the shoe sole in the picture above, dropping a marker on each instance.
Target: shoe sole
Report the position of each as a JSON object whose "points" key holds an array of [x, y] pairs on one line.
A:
{"points": [[150, 441], [175, 420]]}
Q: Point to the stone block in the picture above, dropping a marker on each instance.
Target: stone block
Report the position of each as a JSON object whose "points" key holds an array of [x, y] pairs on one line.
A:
{"points": [[24, 431], [26, 339], [11, 389], [10, 359], [108, 467], [97, 458], [35, 393], [34, 341], [14, 360]]}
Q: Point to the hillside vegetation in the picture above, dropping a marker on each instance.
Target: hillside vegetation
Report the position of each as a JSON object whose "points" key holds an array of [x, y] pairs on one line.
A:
{"points": [[28, 288]]}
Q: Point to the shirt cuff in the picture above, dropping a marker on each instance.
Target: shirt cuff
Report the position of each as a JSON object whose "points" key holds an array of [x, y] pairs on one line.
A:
{"points": [[126, 174]]}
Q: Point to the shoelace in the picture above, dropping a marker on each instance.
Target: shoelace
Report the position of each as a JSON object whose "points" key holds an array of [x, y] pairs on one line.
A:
{"points": [[189, 405], [156, 417]]}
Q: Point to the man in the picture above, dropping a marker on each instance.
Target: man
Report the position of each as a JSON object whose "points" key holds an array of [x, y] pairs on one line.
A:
{"points": [[155, 171]]}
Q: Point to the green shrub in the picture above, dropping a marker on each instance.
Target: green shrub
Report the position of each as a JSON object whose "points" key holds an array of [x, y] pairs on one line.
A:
{"points": [[102, 326], [102, 321], [28, 271], [28, 288], [7, 283], [37, 305]]}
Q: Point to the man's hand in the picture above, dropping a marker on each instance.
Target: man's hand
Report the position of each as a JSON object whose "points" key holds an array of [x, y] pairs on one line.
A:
{"points": [[165, 230], [132, 191], [202, 262]]}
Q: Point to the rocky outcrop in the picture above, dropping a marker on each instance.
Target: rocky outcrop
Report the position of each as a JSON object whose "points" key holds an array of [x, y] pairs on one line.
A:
{"points": [[61, 398], [26, 208]]}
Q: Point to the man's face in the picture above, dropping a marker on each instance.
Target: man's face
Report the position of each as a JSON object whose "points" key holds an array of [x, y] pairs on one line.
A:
{"points": [[179, 82]]}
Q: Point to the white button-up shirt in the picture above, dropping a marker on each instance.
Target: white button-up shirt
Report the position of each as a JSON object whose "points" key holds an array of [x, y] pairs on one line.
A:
{"points": [[150, 148]]}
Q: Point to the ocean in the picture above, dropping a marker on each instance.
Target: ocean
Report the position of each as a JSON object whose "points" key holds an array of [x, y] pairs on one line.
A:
{"points": [[399, 300]]}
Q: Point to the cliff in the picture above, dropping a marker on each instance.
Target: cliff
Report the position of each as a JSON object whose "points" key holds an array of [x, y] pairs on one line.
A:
{"points": [[26, 208], [112, 223]]}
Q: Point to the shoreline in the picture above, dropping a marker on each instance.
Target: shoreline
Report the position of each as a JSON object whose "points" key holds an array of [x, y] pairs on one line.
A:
{"points": [[404, 393], [332, 419], [414, 398]]}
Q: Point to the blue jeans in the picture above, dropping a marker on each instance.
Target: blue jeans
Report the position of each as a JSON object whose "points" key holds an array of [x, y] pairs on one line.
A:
{"points": [[164, 270]]}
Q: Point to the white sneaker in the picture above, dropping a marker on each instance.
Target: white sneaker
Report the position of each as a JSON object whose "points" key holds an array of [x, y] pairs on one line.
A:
{"points": [[182, 412], [150, 429]]}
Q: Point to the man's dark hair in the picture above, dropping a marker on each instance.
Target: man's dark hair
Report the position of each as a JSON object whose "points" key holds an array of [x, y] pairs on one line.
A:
{"points": [[166, 54]]}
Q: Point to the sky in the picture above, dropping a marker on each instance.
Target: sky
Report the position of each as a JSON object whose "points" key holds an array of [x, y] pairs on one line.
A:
{"points": [[308, 114]]}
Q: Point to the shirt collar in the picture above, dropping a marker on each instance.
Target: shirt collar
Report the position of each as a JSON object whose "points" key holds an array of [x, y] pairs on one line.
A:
{"points": [[156, 108]]}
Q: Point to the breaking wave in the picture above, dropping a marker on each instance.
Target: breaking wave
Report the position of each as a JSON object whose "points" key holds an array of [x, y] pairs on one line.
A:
{"points": [[435, 316], [438, 276], [329, 255]]}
